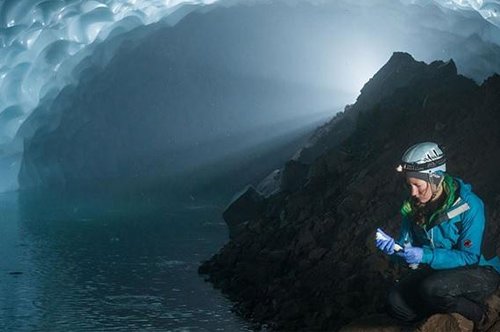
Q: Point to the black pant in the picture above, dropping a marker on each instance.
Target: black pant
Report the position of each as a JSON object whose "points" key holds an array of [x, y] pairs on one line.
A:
{"points": [[426, 291]]}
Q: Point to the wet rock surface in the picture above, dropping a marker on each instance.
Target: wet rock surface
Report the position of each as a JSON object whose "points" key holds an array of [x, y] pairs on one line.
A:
{"points": [[307, 261]]}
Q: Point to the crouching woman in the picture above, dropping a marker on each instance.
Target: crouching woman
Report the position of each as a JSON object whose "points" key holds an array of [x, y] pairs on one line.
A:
{"points": [[441, 237]]}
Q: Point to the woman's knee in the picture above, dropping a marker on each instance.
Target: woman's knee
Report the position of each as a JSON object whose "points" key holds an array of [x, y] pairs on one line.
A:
{"points": [[436, 293]]}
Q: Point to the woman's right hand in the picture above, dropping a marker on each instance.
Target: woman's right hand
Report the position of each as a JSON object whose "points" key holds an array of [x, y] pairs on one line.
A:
{"points": [[384, 242]]}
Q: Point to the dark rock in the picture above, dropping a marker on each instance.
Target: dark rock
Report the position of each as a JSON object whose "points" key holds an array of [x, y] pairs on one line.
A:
{"points": [[314, 239], [271, 184], [398, 72], [446, 322], [324, 138], [247, 206], [294, 175]]}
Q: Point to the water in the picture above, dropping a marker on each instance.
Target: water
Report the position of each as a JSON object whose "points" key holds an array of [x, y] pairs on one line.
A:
{"points": [[105, 265]]}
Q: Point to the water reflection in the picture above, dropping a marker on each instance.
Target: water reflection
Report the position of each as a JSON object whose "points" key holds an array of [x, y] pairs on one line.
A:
{"points": [[96, 263]]}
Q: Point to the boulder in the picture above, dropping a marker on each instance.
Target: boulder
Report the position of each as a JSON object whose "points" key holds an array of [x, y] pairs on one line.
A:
{"points": [[271, 183], [246, 206], [383, 323]]}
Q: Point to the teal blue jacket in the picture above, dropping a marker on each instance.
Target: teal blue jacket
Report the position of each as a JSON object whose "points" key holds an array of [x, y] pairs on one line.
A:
{"points": [[455, 235]]}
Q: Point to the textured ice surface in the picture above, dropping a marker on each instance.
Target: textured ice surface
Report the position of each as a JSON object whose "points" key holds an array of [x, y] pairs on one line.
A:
{"points": [[489, 9], [41, 39]]}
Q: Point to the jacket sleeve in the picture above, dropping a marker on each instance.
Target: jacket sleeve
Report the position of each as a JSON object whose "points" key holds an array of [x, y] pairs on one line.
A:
{"points": [[468, 246]]}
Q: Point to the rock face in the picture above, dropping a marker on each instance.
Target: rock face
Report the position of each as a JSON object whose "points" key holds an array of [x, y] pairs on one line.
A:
{"points": [[308, 261], [271, 183]]}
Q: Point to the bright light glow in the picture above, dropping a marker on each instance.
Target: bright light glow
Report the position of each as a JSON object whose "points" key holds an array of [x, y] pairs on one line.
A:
{"points": [[361, 68]]}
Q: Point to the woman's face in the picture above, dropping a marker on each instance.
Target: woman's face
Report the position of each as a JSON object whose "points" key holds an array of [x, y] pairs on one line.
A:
{"points": [[420, 190]]}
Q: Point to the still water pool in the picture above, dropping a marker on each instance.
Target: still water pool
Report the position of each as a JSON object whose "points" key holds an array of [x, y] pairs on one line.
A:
{"points": [[104, 265]]}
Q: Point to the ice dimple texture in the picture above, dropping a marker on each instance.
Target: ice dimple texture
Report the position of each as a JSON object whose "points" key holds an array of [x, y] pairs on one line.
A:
{"points": [[41, 42]]}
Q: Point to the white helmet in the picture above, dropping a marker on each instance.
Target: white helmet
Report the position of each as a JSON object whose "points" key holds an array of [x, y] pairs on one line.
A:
{"points": [[425, 161]]}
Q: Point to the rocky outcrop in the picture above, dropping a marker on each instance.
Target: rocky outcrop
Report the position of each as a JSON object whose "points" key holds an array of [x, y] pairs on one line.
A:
{"points": [[401, 72], [437, 322], [308, 261], [244, 208], [271, 183]]}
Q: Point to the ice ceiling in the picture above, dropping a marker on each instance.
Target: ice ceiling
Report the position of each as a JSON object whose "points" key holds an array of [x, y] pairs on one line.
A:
{"points": [[489, 9], [43, 42]]}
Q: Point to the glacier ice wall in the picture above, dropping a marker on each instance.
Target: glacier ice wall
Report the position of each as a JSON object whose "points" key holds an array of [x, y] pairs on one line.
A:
{"points": [[43, 41], [488, 9]]}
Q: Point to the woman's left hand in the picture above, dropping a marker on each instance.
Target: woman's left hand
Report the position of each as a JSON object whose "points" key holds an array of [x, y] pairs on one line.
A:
{"points": [[412, 255]]}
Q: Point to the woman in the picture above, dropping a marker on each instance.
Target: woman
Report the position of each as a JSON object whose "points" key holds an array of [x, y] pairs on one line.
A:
{"points": [[441, 237]]}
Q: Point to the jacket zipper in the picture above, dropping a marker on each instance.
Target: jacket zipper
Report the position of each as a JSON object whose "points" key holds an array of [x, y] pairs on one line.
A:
{"points": [[431, 236]]}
